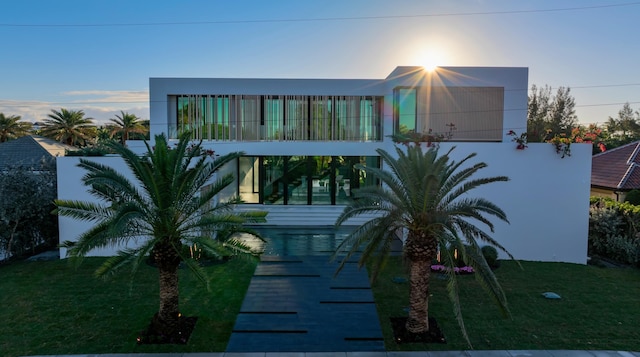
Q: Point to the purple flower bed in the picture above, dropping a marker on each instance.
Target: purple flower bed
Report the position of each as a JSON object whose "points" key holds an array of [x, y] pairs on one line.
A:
{"points": [[444, 269]]}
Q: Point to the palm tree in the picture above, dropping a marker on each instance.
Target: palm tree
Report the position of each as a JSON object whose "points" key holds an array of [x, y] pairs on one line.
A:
{"points": [[126, 124], [426, 196], [68, 126], [11, 127], [169, 211]]}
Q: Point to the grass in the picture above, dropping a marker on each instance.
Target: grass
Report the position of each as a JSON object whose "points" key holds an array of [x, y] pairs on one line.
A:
{"points": [[50, 308], [599, 309], [54, 308]]}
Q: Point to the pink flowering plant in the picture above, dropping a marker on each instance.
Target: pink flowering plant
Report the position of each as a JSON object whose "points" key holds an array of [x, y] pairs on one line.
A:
{"points": [[456, 259], [457, 270], [521, 139], [588, 135]]}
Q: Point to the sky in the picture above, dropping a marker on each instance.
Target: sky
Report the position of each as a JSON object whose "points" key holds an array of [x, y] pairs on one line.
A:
{"points": [[98, 55]]}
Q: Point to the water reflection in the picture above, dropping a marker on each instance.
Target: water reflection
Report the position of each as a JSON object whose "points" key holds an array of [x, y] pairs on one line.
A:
{"points": [[297, 241]]}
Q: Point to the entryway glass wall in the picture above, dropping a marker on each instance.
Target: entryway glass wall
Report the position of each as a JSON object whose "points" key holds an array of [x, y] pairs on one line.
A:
{"points": [[302, 180]]}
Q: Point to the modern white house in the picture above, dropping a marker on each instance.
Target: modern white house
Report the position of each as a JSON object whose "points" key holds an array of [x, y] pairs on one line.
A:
{"points": [[302, 137]]}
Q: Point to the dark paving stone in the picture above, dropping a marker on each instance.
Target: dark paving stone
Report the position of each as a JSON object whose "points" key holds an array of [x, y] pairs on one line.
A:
{"points": [[296, 304]]}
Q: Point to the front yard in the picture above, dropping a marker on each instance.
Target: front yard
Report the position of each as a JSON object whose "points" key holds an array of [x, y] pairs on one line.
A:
{"points": [[53, 308], [599, 308]]}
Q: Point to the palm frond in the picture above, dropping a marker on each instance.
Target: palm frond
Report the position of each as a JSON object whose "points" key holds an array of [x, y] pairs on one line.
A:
{"points": [[454, 296], [487, 280], [108, 184], [473, 233], [85, 211], [369, 234], [193, 265], [115, 263]]}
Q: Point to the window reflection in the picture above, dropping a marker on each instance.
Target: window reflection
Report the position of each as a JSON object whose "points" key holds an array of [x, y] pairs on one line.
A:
{"points": [[302, 180]]}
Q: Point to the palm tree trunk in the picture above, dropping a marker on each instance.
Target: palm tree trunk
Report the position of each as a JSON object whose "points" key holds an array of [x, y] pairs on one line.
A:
{"points": [[166, 321], [419, 274], [419, 250]]}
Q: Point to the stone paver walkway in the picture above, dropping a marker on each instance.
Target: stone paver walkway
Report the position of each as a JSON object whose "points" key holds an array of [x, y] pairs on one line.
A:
{"points": [[294, 304]]}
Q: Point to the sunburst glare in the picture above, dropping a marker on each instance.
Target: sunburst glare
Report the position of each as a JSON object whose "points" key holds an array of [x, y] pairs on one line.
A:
{"points": [[431, 58]]}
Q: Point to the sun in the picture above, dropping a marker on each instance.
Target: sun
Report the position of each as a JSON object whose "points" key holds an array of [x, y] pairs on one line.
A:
{"points": [[431, 58]]}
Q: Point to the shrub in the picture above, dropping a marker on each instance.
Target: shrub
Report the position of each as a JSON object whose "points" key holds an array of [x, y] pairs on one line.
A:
{"points": [[633, 197], [99, 150], [26, 222], [490, 254], [613, 232]]}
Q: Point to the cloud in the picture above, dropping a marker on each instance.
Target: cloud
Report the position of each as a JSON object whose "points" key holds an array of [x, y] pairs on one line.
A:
{"points": [[106, 96], [29, 110], [101, 105]]}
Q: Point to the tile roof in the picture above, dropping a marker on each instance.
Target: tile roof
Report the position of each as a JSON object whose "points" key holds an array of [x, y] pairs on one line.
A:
{"points": [[618, 168], [31, 151]]}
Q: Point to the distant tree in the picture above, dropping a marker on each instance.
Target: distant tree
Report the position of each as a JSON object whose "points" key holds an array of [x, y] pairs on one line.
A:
{"points": [[11, 127], [146, 123], [103, 134], [563, 114], [623, 129], [26, 203], [69, 127], [538, 108], [126, 124], [549, 114]]}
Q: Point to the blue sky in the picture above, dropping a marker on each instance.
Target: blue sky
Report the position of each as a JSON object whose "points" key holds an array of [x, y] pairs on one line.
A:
{"points": [[98, 55]]}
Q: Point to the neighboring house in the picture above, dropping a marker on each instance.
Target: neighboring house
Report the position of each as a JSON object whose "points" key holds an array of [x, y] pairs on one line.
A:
{"points": [[31, 151], [37, 125], [302, 138], [615, 172]]}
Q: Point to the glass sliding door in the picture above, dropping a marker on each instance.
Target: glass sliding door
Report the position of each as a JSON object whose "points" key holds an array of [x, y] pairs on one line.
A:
{"points": [[320, 173], [298, 180], [249, 179], [273, 180], [302, 180], [346, 176]]}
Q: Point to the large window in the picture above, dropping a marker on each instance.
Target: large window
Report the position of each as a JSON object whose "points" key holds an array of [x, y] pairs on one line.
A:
{"points": [[302, 180], [279, 118], [458, 113], [476, 112], [405, 109]]}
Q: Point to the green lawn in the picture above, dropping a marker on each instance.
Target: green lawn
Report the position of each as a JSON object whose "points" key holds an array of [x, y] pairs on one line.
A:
{"points": [[599, 309], [54, 308]]}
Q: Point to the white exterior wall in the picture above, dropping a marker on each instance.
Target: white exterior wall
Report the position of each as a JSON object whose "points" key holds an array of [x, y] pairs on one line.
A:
{"points": [[546, 200], [70, 187]]}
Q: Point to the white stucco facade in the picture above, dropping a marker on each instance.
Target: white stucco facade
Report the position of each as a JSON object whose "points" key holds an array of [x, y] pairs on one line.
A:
{"points": [[546, 199]]}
